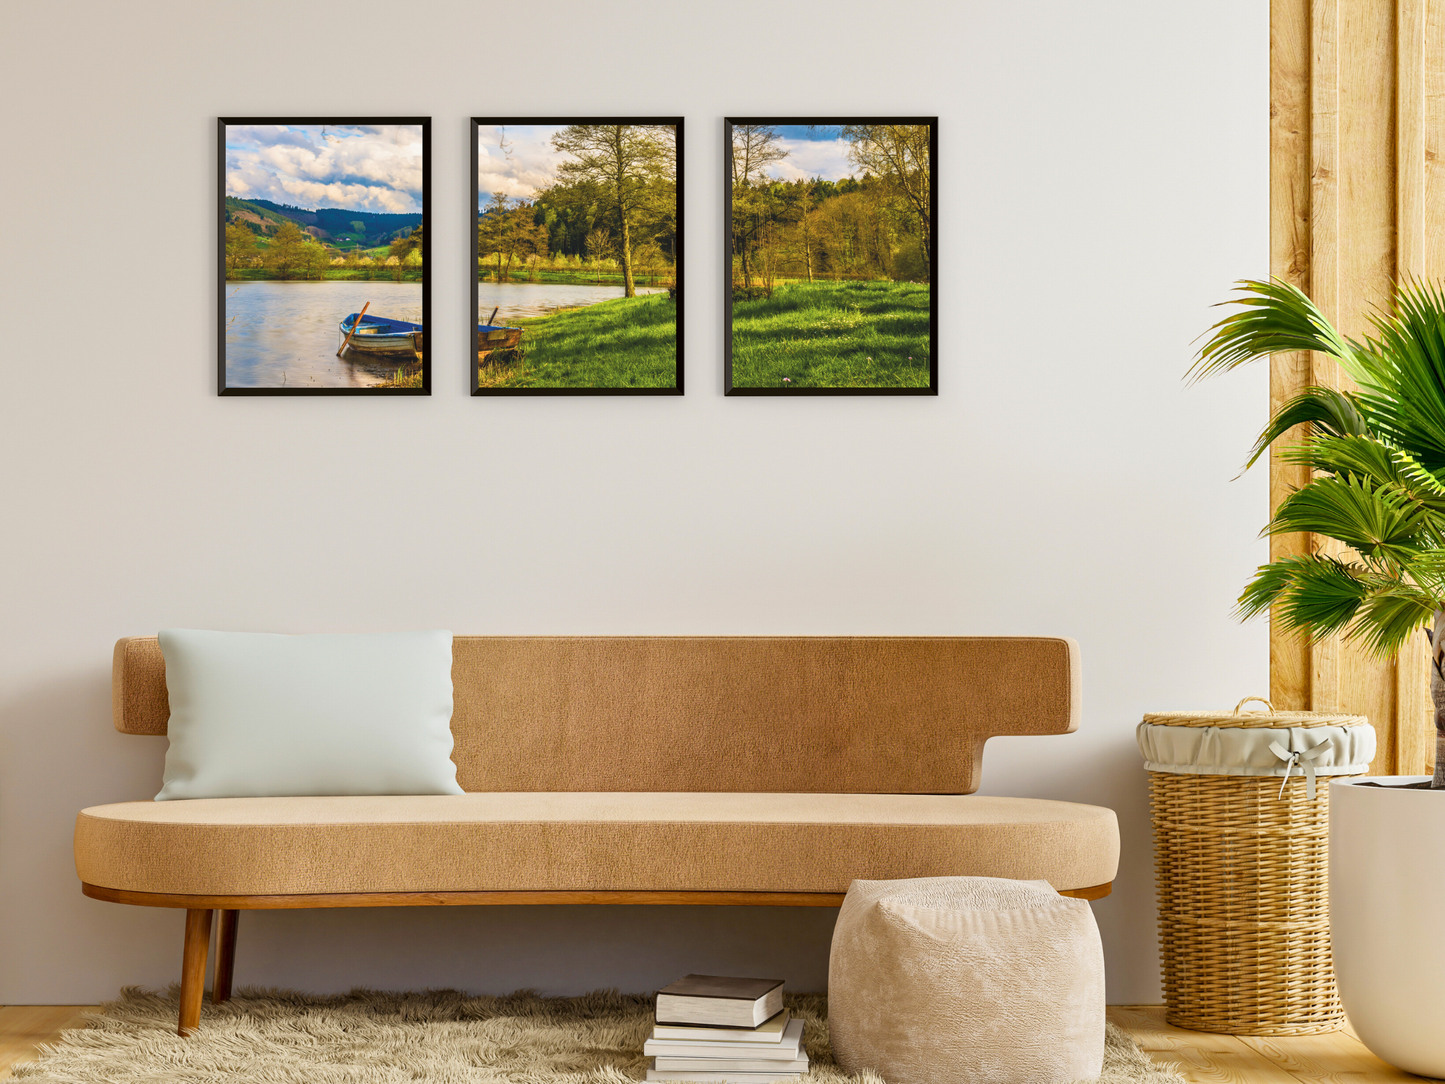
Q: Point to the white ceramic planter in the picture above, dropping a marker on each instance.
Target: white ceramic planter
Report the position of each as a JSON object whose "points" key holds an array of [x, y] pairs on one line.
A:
{"points": [[1387, 888]]}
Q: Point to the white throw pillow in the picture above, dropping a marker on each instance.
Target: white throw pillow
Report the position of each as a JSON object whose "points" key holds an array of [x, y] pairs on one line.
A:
{"points": [[257, 714]]}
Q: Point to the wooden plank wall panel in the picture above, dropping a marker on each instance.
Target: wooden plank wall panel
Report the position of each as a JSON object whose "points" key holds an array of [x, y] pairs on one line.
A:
{"points": [[1357, 200], [1414, 751], [1289, 211]]}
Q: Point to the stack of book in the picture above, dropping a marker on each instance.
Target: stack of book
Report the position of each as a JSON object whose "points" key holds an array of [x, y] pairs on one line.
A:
{"points": [[711, 1028]]}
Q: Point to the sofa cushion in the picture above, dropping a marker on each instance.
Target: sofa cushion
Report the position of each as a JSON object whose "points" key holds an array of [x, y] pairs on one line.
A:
{"points": [[545, 841], [256, 714]]}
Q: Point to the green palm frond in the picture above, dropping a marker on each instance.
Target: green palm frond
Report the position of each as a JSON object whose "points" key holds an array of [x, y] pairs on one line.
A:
{"points": [[1325, 410], [1312, 594], [1404, 390], [1273, 318], [1427, 569], [1317, 596], [1377, 457], [1377, 521], [1350, 455], [1391, 616]]}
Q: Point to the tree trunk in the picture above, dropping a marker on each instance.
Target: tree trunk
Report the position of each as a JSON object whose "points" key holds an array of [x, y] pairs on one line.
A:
{"points": [[628, 289], [1437, 695]]}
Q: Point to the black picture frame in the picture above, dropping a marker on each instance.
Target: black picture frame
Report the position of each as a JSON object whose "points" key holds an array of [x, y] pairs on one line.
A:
{"points": [[474, 249], [221, 319], [729, 388]]}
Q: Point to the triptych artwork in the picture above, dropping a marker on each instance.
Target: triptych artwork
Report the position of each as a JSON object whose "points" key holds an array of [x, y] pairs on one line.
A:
{"points": [[576, 257]]}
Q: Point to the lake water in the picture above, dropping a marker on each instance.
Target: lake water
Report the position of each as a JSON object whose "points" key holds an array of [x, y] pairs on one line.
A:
{"points": [[284, 334], [519, 300]]}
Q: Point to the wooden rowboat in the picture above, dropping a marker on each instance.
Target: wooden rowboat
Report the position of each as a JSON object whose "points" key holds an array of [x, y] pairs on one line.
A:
{"points": [[493, 338], [382, 335]]}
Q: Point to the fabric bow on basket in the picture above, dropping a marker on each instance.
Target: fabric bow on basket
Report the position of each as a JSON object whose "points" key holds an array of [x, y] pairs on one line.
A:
{"points": [[1303, 759]]}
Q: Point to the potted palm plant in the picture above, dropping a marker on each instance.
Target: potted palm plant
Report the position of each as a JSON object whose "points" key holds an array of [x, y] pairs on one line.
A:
{"points": [[1377, 487]]}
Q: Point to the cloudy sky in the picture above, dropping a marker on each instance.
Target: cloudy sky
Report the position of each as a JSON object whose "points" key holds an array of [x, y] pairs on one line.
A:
{"points": [[375, 168], [526, 164], [812, 152]]}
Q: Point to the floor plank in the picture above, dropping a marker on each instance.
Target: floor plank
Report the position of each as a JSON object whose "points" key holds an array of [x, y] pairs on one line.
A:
{"points": [[24, 1027], [1336, 1057]]}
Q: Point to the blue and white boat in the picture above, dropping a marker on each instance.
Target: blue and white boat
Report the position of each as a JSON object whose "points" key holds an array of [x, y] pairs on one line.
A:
{"points": [[382, 335]]}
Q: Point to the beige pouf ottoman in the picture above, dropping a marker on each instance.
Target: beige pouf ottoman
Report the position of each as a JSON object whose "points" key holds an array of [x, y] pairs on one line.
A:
{"points": [[966, 980]]}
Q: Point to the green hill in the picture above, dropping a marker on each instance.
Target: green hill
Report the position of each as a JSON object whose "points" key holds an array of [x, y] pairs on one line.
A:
{"points": [[343, 229]]}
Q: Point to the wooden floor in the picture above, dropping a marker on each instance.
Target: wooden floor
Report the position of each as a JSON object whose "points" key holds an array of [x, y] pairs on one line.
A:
{"points": [[1336, 1058]]}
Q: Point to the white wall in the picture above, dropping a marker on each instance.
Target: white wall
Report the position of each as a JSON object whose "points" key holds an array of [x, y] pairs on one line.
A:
{"points": [[1103, 178]]}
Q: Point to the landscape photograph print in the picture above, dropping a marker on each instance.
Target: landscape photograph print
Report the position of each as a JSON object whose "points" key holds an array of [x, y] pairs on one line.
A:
{"points": [[577, 247], [829, 261], [323, 243]]}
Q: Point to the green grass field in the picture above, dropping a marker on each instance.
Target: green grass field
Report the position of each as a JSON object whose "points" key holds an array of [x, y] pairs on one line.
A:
{"points": [[833, 335], [627, 343]]}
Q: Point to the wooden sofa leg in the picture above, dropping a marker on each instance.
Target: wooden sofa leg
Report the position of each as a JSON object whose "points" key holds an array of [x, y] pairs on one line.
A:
{"points": [[225, 956], [193, 968]]}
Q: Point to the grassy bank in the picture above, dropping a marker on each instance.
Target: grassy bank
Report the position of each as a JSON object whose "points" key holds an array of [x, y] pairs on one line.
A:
{"points": [[330, 274], [833, 335], [579, 277], [627, 343]]}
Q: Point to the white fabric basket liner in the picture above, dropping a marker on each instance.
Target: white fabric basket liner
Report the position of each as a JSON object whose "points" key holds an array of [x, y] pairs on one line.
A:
{"points": [[1232, 750]]}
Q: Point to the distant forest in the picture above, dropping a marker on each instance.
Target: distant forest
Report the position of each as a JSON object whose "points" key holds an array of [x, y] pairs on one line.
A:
{"points": [[340, 229], [879, 227]]}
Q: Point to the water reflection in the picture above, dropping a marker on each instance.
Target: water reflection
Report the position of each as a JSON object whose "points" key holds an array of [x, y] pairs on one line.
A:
{"points": [[284, 334], [519, 300]]}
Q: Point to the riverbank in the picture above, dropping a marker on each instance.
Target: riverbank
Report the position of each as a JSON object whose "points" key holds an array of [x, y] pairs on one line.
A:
{"points": [[330, 274], [629, 342], [579, 277], [834, 335]]}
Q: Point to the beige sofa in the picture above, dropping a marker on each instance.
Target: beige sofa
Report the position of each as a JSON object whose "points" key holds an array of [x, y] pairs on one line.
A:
{"points": [[659, 770]]}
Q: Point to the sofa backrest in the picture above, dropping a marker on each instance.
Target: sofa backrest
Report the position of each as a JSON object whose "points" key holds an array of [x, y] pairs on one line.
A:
{"points": [[847, 714]]}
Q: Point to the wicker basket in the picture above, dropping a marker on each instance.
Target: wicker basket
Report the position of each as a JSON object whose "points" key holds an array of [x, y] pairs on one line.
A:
{"points": [[1243, 883]]}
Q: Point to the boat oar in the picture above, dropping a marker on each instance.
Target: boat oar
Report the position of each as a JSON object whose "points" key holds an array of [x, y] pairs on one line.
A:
{"points": [[493, 316], [354, 326]]}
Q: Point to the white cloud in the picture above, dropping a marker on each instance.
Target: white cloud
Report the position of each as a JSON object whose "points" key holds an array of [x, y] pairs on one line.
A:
{"points": [[376, 168], [526, 164], [808, 158]]}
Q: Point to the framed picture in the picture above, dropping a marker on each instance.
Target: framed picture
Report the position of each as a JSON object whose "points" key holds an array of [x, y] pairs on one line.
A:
{"points": [[324, 288], [577, 256], [830, 268]]}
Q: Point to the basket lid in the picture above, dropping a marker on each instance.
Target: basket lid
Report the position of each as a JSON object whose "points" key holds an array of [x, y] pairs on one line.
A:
{"points": [[1241, 718]]}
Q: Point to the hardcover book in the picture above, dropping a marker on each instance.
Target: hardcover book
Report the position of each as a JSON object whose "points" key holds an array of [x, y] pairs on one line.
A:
{"points": [[770, 1031], [719, 1001], [721, 1078], [733, 1065], [788, 1049]]}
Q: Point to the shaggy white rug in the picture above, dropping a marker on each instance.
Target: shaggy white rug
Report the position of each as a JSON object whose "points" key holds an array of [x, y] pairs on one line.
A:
{"points": [[437, 1037]]}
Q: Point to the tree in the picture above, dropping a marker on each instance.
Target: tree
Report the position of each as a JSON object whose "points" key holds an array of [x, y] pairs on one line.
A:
{"points": [[754, 146], [625, 161], [285, 252], [1377, 458], [315, 258], [240, 245], [599, 248], [509, 231], [903, 155], [402, 247]]}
